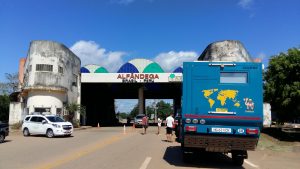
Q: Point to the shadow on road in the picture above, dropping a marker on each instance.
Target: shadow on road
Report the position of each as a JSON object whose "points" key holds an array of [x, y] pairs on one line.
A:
{"points": [[6, 141], [43, 136], [204, 159], [282, 136]]}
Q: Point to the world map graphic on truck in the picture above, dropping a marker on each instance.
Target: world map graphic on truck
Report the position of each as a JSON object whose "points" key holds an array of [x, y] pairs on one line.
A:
{"points": [[222, 96]]}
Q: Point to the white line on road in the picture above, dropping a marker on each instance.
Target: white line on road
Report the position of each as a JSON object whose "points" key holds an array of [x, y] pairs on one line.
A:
{"points": [[251, 164], [145, 163]]}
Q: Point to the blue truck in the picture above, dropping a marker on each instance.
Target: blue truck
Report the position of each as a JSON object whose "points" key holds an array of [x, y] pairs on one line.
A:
{"points": [[222, 108]]}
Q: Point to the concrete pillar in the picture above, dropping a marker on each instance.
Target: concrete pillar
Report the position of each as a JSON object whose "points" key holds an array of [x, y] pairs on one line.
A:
{"points": [[141, 100]]}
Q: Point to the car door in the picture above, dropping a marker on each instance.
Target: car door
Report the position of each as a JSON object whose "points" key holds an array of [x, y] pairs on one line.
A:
{"points": [[32, 125], [41, 128]]}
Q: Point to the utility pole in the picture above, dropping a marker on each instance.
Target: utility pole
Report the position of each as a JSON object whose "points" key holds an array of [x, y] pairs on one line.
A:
{"points": [[155, 110]]}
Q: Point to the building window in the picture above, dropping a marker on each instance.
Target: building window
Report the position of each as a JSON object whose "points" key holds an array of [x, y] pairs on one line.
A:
{"points": [[60, 70], [74, 80], [44, 67], [59, 112], [30, 68]]}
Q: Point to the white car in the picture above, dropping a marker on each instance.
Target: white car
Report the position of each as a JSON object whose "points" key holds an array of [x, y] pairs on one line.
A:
{"points": [[49, 125]]}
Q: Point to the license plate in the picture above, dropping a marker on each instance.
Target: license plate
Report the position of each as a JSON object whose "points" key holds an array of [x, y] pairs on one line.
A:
{"points": [[221, 130]]}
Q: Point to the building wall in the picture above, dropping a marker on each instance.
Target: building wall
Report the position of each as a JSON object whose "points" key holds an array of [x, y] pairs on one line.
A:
{"points": [[64, 78], [57, 55], [45, 99], [43, 87], [16, 112]]}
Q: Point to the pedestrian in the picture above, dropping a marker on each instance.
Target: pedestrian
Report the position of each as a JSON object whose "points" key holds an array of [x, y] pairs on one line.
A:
{"points": [[170, 124], [145, 124], [158, 125]]}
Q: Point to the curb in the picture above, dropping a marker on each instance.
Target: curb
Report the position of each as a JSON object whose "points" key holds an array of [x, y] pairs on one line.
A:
{"points": [[82, 128]]}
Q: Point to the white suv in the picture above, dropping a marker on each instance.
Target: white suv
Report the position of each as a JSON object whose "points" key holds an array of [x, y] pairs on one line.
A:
{"points": [[50, 125]]}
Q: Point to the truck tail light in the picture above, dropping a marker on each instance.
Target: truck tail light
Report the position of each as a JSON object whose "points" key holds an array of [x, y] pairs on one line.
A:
{"points": [[191, 128], [252, 131]]}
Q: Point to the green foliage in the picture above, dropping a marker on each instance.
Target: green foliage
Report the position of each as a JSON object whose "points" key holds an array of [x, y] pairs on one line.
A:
{"points": [[164, 109], [134, 111], [282, 84], [4, 108], [72, 108], [17, 125], [76, 123], [150, 110], [123, 115]]}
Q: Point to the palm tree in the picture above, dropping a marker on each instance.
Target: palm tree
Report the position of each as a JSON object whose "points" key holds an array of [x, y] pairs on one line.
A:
{"points": [[72, 108]]}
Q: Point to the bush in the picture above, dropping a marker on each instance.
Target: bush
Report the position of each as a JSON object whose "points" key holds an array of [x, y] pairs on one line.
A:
{"points": [[76, 123], [17, 125]]}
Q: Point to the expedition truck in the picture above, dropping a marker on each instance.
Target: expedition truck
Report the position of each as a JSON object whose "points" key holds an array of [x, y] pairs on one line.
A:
{"points": [[222, 108]]}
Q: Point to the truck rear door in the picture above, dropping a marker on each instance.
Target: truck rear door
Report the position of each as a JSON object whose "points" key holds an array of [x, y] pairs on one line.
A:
{"points": [[223, 98]]}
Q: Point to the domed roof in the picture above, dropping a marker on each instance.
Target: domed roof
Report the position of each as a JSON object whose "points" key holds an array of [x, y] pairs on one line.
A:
{"points": [[227, 50], [93, 69], [141, 66], [178, 70]]}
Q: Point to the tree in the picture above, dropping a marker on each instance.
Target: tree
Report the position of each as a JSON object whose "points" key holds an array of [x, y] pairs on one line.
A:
{"points": [[4, 107], [6, 89], [72, 108], [134, 111], [163, 109], [282, 84], [11, 85]]}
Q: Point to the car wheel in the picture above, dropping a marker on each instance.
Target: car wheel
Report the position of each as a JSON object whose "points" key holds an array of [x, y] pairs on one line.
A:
{"points": [[2, 137], [49, 133], [26, 132]]}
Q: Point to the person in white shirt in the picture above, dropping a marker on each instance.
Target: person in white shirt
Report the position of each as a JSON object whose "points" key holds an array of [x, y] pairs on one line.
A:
{"points": [[158, 125], [170, 124]]}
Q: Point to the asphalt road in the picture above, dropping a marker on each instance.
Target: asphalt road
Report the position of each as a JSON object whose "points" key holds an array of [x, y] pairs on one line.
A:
{"points": [[111, 148]]}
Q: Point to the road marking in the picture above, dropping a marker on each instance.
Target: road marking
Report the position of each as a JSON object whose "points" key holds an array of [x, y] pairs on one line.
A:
{"points": [[251, 164], [80, 153], [145, 163]]}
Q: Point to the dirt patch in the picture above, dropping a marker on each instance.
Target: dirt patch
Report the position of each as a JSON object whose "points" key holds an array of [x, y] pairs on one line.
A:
{"points": [[276, 140]]}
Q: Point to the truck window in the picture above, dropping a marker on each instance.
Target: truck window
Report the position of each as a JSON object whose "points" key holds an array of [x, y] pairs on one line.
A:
{"points": [[233, 77]]}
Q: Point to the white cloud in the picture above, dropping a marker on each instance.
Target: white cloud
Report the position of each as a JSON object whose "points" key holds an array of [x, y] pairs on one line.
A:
{"points": [[91, 53], [171, 60], [127, 2], [246, 4], [124, 1]]}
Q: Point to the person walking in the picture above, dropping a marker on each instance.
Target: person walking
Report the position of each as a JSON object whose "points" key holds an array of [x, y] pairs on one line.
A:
{"points": [[170, 124], [158, 125], [145, 124]]}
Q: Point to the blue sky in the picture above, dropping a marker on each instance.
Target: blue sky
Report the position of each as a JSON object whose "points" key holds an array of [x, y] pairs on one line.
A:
{"points": [[112, 32]]}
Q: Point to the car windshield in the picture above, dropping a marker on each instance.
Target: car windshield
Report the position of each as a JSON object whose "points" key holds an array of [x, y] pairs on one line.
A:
{"points": [[139, 116], [55, 119]]}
